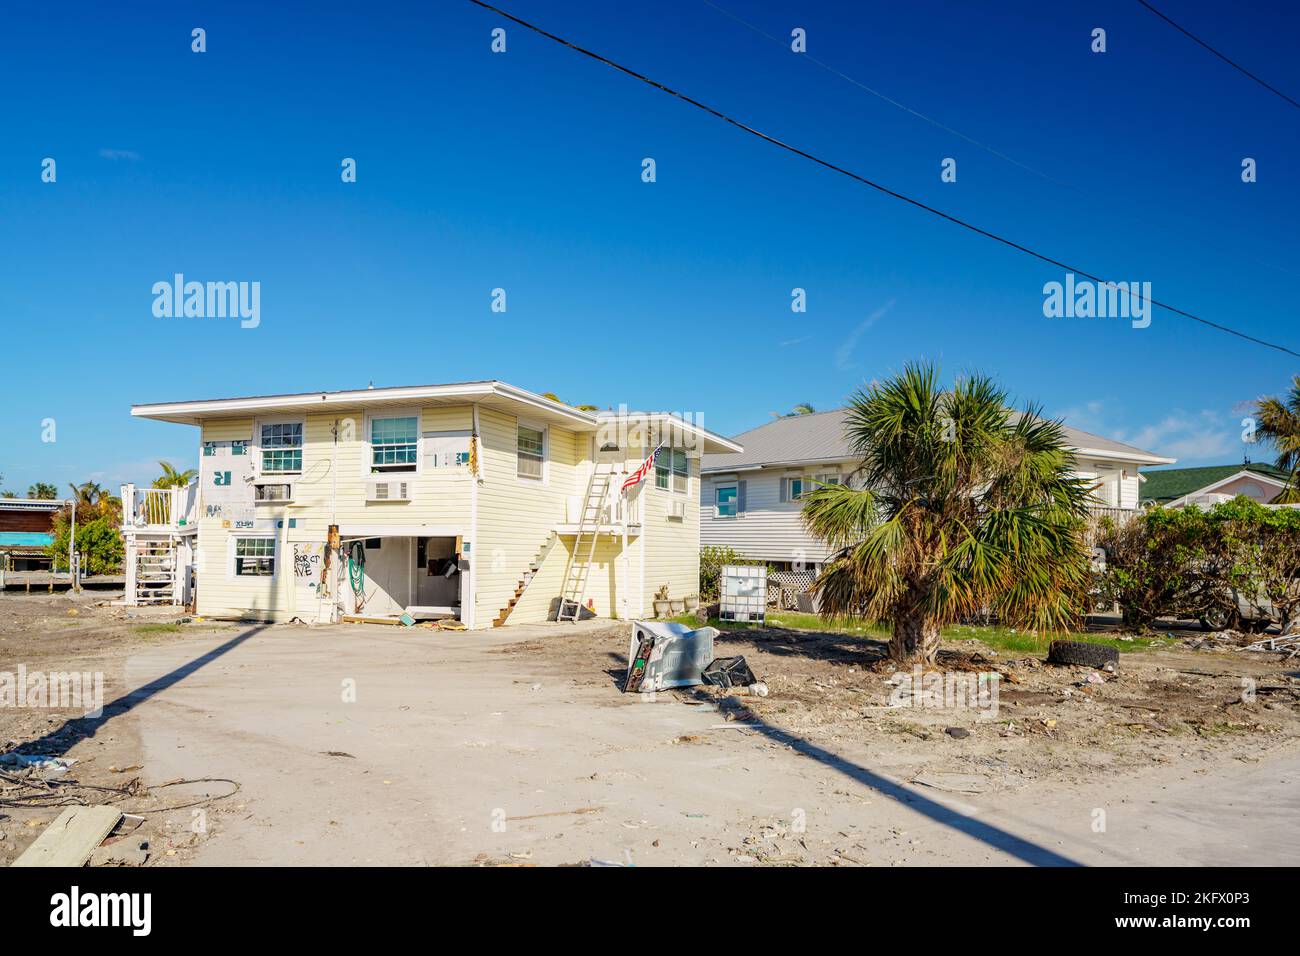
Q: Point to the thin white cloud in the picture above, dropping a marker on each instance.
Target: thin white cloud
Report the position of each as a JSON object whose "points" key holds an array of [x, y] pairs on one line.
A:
{"points": [[845, 352], [1206, 437]]}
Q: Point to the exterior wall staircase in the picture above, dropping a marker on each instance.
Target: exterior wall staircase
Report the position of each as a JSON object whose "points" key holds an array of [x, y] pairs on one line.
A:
{"points": [[551, 541], [152, 571]]}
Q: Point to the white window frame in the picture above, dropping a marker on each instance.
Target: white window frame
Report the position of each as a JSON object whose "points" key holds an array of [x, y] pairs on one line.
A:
{"points": [[231, 557], [368, 459], [672, 473], [544, 477], [735, 501], [829, 478], [261, 423]]}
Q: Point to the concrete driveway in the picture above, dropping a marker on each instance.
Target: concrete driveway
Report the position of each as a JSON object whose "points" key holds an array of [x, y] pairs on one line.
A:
{"points": [[458, 751]]}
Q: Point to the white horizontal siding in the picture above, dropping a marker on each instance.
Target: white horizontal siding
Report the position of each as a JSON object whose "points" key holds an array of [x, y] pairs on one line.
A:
{"points": [[769, 529]]}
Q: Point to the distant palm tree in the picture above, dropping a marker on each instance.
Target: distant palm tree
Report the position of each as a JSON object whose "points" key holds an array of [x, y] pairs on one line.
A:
{"points": [[958, 505], [1279, 421], [42, 491], [90, 496], [171, 478], [802, 408], [8, 494]]}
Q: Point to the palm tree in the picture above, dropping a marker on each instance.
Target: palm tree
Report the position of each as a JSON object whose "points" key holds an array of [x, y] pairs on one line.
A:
{"points": [[959, 505], [1279, 421], [91, 497], [43, 491], [171, 478]]}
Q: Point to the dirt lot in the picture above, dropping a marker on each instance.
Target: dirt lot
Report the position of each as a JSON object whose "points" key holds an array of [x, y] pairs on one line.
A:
{"points": [[515, 746], [63, 633], [1167, 705]]}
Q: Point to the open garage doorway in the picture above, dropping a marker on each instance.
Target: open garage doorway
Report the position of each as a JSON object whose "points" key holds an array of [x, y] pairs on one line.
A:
{"points": [[425, 577]]}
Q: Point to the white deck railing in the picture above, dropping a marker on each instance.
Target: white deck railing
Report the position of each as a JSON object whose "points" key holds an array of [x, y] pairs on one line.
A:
{"points": [[616, 509], [159, 509]]}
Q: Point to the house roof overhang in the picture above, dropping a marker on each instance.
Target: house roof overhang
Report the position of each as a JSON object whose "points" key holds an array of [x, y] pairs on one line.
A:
{"points": [[1213, 487], [32, 504], [496, 395]]}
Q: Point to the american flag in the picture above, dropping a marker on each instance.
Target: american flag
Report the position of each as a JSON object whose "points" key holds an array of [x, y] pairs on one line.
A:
{"points": [[638, 476]]}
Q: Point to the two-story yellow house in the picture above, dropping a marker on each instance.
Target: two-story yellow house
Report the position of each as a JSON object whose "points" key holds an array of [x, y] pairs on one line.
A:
{"points": [[477, 501]]}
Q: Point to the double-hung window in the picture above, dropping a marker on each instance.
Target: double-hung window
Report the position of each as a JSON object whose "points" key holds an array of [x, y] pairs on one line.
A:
{"points": [[724, 501], [254, 557], [394, 443], [282, 448], [530, 451], [671, 470]]}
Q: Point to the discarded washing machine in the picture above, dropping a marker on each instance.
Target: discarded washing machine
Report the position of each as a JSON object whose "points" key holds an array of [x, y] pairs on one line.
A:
{"points": [[663, 654]]}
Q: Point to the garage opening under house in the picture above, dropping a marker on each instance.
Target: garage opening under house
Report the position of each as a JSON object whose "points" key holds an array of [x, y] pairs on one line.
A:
{"points": [[478, 501]]}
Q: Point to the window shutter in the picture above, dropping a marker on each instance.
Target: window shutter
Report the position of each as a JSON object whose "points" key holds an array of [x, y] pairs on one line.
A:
{"points": [[785, 490], [740, 498]]}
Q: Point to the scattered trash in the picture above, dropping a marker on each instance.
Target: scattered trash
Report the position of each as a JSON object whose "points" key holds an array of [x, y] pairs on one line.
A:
{"points": [[664, 654], [337, 753], [407, 620], [728, 672], [29, 762]]}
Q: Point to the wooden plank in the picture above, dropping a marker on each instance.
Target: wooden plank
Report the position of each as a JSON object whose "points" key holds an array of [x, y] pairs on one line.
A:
{"points": [[72, 837], [361, 619]]}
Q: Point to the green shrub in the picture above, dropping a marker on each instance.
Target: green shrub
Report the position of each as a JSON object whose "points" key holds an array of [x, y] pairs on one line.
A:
{"points": [[98, 541], [1193, 563]]}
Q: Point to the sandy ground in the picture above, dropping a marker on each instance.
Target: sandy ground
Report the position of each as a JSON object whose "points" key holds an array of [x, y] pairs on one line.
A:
{"points": [[369, 744]]}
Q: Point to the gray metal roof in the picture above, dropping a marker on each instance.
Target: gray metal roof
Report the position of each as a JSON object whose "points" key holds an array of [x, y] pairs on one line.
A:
{"points": [[820, 437]]}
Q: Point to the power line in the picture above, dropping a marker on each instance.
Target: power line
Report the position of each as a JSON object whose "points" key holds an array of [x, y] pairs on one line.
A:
{"points": [[1180, 234], [826, 164], [892, 102], [1236, 66]]}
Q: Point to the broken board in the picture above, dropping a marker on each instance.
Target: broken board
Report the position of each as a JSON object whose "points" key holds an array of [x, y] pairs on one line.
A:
{"points": [[72, 837]]}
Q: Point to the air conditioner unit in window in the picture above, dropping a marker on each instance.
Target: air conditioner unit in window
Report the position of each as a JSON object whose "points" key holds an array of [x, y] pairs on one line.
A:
{"points": [[678, 511], [272, 492], [387, 491]]}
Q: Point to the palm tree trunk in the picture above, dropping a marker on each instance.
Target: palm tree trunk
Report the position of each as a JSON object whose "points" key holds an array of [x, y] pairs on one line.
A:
{"points": [[915, 640]]}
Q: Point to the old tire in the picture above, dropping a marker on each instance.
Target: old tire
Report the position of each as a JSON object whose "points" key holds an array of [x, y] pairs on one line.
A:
{"points": [[1083, 654], [1218, 619]]}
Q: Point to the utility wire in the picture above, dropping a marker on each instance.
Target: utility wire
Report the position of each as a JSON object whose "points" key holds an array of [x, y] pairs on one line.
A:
{"points": [[892, 102], [868, 182], [1236, 66], [1169, 230]]}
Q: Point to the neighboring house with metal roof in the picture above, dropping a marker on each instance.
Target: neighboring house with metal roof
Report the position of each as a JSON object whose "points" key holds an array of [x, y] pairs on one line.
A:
{"points": [[750, 499], [26, 530], [1209, 485]]}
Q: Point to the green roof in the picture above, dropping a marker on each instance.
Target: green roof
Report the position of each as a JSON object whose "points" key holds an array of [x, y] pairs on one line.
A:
{"points": [[1166, 484]]}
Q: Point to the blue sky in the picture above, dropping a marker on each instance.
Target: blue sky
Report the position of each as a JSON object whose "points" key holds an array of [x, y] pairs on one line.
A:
{"points": [[522, 171]]}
